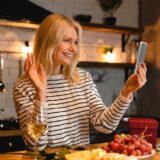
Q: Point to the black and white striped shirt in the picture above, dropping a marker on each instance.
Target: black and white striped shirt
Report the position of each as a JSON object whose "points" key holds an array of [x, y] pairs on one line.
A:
{"points": [[70, 109]]}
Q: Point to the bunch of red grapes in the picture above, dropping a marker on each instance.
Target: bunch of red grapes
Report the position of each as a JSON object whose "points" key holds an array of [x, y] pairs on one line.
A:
{"points": [[129, 145]]}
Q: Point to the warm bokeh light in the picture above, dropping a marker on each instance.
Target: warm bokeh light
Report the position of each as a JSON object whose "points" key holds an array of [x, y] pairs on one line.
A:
{"points": [[26, 49], [109, 57]]}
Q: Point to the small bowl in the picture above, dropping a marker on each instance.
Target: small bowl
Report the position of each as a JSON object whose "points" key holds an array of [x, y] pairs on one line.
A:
{"points": [[83, 18], [147, 157]]}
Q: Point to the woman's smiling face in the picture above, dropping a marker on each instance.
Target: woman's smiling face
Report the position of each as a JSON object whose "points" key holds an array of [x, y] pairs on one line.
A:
{"points": [[67, 48]]}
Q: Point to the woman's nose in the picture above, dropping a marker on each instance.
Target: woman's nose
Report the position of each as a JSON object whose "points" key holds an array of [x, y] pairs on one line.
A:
{"points": [[72, 47]]}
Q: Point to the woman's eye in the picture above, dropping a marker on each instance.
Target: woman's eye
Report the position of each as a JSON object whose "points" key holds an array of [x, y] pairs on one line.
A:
{"points": [[76, 42], [70, 41], [66, 40]]}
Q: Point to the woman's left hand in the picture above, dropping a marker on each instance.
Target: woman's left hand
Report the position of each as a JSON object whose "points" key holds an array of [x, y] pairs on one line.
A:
{"points": [[37, 76], [135, 81]]}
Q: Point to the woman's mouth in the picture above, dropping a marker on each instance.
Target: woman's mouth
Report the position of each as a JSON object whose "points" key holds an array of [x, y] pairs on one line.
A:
{"points": [[70, 55]]}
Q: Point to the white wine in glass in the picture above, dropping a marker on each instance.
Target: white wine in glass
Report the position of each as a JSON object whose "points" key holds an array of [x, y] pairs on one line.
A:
{"points": [[36, 125]]}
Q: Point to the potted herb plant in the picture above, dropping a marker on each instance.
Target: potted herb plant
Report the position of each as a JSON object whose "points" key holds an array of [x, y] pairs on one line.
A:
{"points": [[110, 7]]}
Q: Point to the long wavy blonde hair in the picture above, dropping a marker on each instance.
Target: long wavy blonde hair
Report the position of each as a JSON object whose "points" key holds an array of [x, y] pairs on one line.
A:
{"points": [[49, 35]]}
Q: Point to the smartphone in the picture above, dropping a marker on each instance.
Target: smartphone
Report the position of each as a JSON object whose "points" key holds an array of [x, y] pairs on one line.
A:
{"points": [[141, 54]]}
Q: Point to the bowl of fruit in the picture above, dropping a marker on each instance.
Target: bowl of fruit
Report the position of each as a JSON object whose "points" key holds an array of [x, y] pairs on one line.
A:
{"points": [[147, 157], [131, 145]]}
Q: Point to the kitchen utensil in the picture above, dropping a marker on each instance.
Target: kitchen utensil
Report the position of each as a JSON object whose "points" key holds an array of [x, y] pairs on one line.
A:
{"points": [[2, 86]]}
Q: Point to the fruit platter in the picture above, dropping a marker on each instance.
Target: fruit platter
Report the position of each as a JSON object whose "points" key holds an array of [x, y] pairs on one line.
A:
{"points": [[129, 145], [122, 147], [135, 145]]}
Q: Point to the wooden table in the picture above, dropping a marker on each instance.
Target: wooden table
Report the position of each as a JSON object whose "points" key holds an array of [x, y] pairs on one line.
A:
{"points": [[15, 156]]}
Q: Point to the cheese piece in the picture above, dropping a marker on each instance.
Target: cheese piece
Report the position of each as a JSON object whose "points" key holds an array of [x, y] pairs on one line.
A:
{"points": [[97, 154], [79, 155], [100, 154]]}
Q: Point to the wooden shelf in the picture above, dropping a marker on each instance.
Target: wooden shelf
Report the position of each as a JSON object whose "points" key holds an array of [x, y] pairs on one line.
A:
{"points": [[19, 24], [85, 26], [106, 64], [113, 29]]}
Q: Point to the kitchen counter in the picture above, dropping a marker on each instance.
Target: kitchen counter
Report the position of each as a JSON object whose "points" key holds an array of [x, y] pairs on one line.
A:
{"points": [[8, 133]]}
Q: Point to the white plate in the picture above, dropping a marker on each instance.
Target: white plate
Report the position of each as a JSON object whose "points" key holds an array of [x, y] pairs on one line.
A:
{"points": [[147, 157]]}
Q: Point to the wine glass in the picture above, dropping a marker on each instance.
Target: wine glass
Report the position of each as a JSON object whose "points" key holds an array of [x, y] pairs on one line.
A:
{"points": [[36, 125]]}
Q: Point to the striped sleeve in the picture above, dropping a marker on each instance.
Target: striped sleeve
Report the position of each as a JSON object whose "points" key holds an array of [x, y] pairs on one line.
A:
{"points": [[105, 119], [23, 95]]}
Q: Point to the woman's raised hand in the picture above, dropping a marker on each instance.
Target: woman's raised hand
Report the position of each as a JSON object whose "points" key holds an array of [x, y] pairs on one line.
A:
{"points": [[135, 81], [36, 74]]}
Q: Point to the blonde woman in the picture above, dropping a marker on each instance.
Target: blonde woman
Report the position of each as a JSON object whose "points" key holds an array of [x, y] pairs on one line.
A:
{"points": [[69, 94]]}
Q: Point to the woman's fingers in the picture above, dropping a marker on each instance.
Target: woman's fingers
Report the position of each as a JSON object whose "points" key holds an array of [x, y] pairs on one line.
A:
{"points": [[40, 69], [29, 63], [26, 65], [141, 72], [144, 66], [136, 81], [33, 59], [29, 59]]}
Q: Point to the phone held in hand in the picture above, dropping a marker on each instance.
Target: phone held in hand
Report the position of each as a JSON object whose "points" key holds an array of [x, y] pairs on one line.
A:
{"points": [[141, 54]]}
